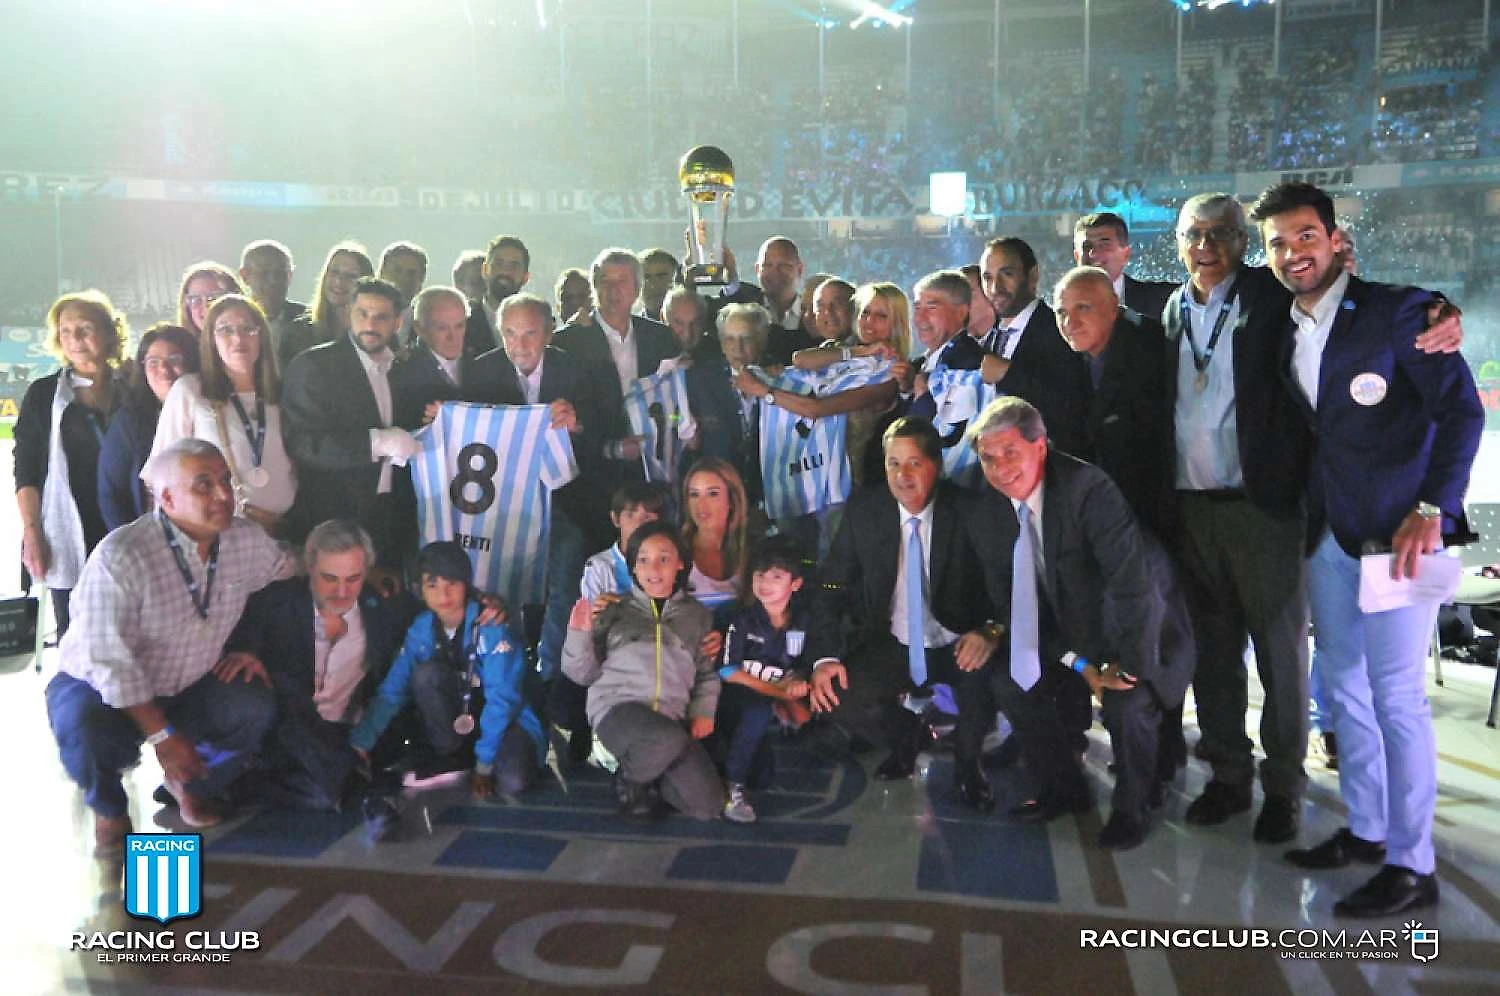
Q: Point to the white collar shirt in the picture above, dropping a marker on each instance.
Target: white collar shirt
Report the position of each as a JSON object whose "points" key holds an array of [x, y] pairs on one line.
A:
{"points": [[933, 633], [377, 369], [621, 350], [1312, 335], [338, 666]]}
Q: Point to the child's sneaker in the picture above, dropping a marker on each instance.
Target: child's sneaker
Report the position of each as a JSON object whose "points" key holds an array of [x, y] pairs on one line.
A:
{"points": [[738, 808]]}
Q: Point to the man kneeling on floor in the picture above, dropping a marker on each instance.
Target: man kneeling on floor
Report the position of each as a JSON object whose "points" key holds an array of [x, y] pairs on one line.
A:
{"points": [[151, 612], [1088, 596]]}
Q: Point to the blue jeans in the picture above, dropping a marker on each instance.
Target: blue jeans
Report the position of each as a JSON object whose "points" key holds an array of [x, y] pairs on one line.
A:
{"points": [[1373, 668], [742, 721], [227, 721], [567, 551]]}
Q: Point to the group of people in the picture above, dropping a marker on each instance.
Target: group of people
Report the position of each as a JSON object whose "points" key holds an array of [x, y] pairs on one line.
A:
{"points": [[1165, 473]]}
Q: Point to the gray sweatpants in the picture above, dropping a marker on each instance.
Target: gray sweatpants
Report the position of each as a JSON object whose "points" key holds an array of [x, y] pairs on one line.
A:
{"points": [[651, 747]]}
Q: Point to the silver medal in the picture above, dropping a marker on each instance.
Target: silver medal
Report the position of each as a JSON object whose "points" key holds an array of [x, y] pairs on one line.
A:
{"points": [[463, 725], [258, 477]]}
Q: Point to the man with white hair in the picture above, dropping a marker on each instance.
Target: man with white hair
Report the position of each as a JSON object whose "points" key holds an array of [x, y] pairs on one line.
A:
{"points": [[141, 662]]}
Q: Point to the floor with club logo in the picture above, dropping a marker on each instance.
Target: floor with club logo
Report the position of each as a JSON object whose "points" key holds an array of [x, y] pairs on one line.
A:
{"points": [[846, 885]]}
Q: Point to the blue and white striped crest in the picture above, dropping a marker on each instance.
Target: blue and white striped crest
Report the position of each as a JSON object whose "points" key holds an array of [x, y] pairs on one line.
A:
{"points": [[163, 875]]}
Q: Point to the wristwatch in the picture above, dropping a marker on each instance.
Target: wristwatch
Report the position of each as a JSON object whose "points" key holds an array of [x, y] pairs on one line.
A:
{"points": [[1428, 510], [770, 397]]}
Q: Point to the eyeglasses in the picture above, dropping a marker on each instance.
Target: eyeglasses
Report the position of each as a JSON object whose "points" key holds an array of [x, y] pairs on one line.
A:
{"points": [[240, 331], [346, 275], [175, 361], [194, 300], [1219, 235]]}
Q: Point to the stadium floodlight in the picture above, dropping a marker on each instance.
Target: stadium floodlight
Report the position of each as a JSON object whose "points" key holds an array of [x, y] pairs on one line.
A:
{"points": [[948, 194], [880, 15]]}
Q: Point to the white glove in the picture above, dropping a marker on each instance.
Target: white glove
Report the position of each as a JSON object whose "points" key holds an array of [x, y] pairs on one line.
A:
{"points": [[395, 444]]}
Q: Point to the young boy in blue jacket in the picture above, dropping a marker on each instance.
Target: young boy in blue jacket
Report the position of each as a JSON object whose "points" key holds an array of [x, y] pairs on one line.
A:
{"points": [[466, 683]]}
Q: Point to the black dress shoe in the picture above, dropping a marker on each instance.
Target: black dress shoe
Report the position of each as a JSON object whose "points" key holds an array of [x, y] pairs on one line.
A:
{"points": [[1331, 751], [1278, 820], [898, 764], [1338, 851], [1218, 803], [1393, 890], [975, 790], [1123, 832], [1049, 807]]}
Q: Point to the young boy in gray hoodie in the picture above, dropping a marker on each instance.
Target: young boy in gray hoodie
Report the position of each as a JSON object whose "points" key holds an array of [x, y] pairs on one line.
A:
{"points": [[652, 693]]}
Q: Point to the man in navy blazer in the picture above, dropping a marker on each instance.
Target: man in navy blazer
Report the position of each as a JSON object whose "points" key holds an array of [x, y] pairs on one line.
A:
{"points": [[435, 370], [1395, 432], [325, 641]]}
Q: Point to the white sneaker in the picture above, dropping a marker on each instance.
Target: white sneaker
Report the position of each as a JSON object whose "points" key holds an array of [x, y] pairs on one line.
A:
{"points": [[738, 808]]}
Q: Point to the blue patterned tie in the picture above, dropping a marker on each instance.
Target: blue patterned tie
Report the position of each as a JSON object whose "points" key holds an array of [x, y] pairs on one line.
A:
{"points": [[1025, 657], [916, 655]]}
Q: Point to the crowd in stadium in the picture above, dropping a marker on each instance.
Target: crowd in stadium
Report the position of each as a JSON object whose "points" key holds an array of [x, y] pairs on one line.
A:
{"points": [[666, 521]]}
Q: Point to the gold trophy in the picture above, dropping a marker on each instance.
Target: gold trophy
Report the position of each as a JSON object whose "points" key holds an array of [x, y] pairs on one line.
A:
{"points": [[707, 178]]}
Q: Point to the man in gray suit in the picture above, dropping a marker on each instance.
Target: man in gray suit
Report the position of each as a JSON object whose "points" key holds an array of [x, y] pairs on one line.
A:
{"points": [[1091, 607]]}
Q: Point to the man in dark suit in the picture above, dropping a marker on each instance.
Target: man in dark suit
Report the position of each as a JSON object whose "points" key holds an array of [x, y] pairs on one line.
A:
{"points": [[435, 370], [728, 420], [507, 268], [1102, 239], [784, 293], [528, 371], [940, 318], [1395, 434], [901, 572], [1028, 358], [1088, 597], [338, 416], [326, 641], [266, 271], [616, 348], [1122, 355]]}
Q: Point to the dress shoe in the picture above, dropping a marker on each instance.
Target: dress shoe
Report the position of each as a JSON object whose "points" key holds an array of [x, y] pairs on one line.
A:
{"points": [[381, 817], [196, 811], [1338, 851], [1049, 807], [1218, 803], [1278, 820], [898, 764], [974, 789], [1330, 751], [1123, 832], [109, 837], [637, 802], [1393, 890]]}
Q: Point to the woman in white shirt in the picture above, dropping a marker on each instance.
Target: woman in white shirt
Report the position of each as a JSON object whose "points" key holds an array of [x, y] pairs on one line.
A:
{"points": [[715, 528], [233, 404]]}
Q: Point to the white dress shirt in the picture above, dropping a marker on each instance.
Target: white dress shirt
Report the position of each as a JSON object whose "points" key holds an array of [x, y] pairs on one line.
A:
{"points": [[1312, 336], [1034, 502], [621, 350], [449, 368], [338, 666], [531, 384], [378, 369], [933, 633]]}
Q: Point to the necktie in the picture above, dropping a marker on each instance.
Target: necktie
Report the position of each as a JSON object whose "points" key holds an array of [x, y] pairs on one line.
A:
{"points": [[916, 655], [1025, 656]]}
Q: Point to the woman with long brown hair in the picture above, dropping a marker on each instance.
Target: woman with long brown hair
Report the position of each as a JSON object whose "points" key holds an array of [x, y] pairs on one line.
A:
{"points": [[327, 317], [234, 404]]}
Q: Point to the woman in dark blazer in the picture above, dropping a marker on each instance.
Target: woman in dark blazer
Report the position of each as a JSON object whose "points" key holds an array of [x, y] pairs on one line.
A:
{"points": [[165, 353]]}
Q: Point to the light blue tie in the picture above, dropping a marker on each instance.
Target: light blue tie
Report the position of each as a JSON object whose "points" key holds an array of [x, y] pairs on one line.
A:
{"points": [[916, 655], [1025, 657]]}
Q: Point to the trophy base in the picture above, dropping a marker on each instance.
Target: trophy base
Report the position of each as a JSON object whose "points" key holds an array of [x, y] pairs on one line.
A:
{"points": [[706, 275]]}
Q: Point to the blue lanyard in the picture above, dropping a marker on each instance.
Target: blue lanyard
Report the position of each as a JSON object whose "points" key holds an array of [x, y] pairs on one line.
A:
{"points": [[1201, 362], [256, 434], [200, 606]]}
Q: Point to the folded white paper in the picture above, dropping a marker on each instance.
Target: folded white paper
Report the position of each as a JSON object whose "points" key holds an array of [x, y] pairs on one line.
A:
{"points": [[1436, 581]]}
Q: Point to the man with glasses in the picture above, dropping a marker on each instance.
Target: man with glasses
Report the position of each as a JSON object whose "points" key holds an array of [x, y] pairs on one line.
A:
{"points": [[1241, 450], [266, 271]]}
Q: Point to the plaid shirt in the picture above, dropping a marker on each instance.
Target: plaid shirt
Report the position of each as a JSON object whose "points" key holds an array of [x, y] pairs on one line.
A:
{"points": [[135, 634]]}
